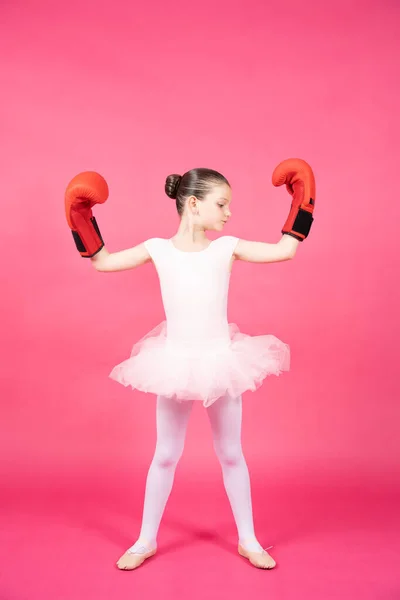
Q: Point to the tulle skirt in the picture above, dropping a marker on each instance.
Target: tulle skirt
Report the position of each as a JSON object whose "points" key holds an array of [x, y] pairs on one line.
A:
{"points": [[202, 371]]}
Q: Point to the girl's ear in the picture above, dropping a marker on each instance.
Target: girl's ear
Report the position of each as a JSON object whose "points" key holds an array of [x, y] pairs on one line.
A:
{"points": [[192, 200]]}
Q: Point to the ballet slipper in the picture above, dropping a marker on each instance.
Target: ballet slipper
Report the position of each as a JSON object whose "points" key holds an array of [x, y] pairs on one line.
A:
{"points": [[132, 559], [261, 560]]}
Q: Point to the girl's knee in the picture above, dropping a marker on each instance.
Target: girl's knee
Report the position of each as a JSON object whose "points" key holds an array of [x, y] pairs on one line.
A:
{"points": [[229, 455], [167, 457]]}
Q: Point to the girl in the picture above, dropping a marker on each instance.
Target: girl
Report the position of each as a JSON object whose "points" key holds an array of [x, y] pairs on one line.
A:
{"points": [[195, 354]]}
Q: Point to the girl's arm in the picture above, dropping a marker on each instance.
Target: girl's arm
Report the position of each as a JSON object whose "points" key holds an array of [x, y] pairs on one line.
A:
{"points": [[130, 258], [261, 252]]}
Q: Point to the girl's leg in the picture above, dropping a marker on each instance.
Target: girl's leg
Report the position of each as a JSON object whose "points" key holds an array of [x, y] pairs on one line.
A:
{"points": [[225, 417], [171, 420]]}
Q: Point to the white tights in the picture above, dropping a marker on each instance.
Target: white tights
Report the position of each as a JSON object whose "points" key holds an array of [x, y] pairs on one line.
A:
{"points": [[172, 417]]}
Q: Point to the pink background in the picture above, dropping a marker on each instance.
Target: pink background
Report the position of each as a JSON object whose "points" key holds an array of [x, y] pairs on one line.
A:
{"points": [[136, 93]]}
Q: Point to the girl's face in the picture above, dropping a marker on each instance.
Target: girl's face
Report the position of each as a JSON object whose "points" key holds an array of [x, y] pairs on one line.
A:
{"points": [[214, 210]]}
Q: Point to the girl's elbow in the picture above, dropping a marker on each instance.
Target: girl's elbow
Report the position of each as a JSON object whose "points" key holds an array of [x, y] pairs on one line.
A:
{"points": [[99, 260], [286, 257]]}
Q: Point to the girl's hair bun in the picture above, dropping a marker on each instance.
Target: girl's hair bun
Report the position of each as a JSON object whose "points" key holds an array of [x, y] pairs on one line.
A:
{"points": [[171, 185]]}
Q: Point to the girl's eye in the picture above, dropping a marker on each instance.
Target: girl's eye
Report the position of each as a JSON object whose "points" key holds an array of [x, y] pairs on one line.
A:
{"points": [[220, 205]]}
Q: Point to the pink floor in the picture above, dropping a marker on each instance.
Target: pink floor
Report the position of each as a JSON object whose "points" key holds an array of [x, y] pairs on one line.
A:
{"points": [[334, 536], [136, 91]]}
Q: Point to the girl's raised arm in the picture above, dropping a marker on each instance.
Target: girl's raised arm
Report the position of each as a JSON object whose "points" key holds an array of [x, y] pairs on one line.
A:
{"points": [[123, 260], [262, 252], [84, 191]]}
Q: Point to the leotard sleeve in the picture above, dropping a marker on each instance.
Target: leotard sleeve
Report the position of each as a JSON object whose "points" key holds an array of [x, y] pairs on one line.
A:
{"points": [[225, 247], [229, 244], [156, 248]]}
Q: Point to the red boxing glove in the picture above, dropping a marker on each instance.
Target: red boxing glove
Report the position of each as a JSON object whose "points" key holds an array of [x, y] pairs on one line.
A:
{"points": [[300, 183], [83, 191]]}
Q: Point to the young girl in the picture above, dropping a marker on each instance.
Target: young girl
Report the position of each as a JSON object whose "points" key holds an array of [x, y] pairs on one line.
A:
{"points": [[195, 354]]}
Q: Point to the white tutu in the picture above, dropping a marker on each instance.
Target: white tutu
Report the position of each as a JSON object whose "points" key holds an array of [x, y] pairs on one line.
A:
{"points": [[201, 371]]}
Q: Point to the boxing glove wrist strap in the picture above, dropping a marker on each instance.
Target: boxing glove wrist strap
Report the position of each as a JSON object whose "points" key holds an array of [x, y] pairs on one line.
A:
{"points": [[299, 225], [88, 239]]}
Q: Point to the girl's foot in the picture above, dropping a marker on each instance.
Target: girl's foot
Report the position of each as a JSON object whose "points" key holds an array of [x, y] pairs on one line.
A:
{"points": [[136, 555], [257, 555]]}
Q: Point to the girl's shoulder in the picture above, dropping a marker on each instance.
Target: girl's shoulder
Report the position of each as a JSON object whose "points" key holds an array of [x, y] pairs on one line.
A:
{"points": [[155, 242], [156, 247], [227, 242]]}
